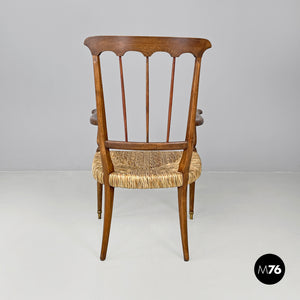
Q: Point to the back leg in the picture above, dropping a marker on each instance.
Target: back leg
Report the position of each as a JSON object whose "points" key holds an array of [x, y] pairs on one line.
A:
{"points": [[192, 197], [99, 199], [109, 199]]}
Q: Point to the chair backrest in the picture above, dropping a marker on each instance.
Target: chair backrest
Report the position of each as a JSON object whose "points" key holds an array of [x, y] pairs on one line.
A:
{"points": [[147, 46]]}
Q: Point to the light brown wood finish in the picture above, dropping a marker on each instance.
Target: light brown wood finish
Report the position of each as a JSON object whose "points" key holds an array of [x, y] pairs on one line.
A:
{"points": [[105, 156], [109, 199], [123, 98], [102, 127], [183, 220], [199, 121], [147, 99], [187, 154], [171, 99], [146, 45], [145, 146], [186, 159]]}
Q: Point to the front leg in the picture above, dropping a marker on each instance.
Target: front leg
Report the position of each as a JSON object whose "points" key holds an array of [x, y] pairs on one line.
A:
{"points": [[182, 191]]}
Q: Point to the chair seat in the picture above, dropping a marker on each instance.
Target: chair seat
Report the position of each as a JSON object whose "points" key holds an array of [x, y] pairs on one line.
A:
{"points": [[146, 169]]}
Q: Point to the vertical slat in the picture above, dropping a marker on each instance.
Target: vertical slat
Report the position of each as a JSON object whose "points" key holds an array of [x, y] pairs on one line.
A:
{"points": [[171, 99], [147, 99], [123, 98]]}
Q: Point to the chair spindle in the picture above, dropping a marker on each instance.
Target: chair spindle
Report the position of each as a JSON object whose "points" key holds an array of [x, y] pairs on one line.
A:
{"points": [[123, 98], [147, 99], [171, 98]]}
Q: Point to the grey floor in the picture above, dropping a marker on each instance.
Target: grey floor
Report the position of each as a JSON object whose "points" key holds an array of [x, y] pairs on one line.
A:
{"points": [[50, 238]]}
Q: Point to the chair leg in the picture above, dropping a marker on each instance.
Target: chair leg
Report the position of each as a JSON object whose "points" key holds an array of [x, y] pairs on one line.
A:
{"points": [[182, 193], [192, 197], [109, 199], [99, 199]]}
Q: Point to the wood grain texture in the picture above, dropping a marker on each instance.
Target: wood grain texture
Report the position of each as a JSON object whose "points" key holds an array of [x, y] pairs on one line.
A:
{"points": [[147, 45], [146, 146]]}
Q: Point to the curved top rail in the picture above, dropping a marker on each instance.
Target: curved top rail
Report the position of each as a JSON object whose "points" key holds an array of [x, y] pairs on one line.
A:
{"points": [[147, 45]]}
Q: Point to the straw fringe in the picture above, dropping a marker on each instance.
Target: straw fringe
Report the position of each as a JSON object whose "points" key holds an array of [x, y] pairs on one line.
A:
{"points": [[146, 169]]}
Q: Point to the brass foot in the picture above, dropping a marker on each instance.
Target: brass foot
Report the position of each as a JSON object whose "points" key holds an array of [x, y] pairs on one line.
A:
{"points": [[99, 214], [191, 215]]}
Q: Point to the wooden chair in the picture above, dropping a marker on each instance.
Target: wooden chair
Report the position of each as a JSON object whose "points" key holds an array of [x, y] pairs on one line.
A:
{"points": [[146, 164]]}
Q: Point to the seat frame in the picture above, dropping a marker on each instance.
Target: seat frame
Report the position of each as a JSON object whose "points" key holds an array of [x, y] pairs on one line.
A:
{"points": [[147, 46]]}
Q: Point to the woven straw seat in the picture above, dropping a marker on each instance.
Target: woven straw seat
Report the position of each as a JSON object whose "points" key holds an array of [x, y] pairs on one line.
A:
{"points": [[146, 169]]}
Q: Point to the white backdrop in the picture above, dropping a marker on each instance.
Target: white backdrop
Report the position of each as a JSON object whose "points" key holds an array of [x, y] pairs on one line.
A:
{"points": [[249, 88]]}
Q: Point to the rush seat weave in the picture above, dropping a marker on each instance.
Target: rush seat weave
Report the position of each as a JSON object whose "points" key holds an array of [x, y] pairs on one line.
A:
{"points": [[146, 169]]}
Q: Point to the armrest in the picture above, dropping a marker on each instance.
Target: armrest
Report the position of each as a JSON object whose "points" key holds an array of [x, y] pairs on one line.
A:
{"points": [[199, 119], [93, 118]]}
